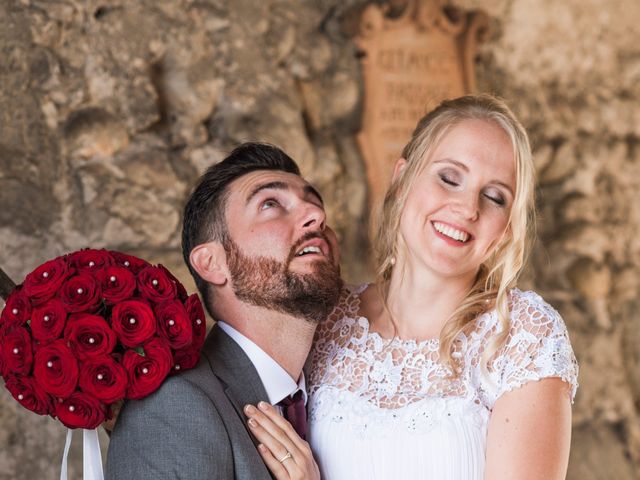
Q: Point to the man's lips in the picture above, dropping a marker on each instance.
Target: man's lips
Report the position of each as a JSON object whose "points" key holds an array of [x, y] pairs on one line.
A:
{"points": [[315, 246]]}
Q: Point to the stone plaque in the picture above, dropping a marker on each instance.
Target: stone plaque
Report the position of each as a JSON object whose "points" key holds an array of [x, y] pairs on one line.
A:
{"points": [[410, 63]]}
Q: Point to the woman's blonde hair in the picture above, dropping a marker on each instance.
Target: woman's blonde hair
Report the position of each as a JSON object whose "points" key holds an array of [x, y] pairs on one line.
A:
{"points": [[499, 273]]}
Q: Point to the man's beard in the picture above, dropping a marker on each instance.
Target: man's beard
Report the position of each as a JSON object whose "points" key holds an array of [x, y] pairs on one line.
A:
{"points": [[266, 282]]}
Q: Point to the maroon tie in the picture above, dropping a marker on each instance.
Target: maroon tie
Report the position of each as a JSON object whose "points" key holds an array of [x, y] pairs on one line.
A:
{"points": [[294, 411]]}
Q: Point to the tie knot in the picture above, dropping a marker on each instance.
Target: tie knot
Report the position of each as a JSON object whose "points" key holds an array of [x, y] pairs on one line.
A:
{"points": [[295, 399], [293, 409]]}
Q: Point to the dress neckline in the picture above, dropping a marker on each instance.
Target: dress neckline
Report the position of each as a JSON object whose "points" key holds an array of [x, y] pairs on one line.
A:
{"points": [[408, 343]]}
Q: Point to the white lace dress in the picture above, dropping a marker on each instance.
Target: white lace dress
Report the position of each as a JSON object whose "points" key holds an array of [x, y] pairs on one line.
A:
{"points": [[384, 409]]}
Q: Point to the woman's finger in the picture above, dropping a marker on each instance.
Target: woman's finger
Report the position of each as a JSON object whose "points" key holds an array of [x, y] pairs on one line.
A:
{"points": [[304, 455], [280, 422], [282, 442], [268, 418], [269, 434], [281, 461], [276, 467]]}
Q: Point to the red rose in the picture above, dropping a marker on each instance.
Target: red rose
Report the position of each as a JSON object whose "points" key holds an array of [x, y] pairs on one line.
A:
{"points": [[146, 373], [48, 320], [134, 264], [154, 285], [174, 324], [182, 292], [133, 321], [45, 281], [81, 411], [17, 351], [90, 259], [198, 323], [116, 283], [56, 369], [89, 336], [184, 360], [17, 309], [29, 394], [103, 378], [3, 365], [81, 293]]}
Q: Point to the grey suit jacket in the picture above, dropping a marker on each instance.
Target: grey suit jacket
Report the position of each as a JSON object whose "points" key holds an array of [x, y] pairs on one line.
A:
{"points": [[193, 426]]}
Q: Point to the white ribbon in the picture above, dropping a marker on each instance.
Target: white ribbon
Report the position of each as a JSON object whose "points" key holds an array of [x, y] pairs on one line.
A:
{"points": [[91, 456], [63, 469]]}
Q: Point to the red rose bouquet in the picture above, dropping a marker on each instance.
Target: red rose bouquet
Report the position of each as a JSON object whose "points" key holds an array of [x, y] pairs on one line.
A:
{"points": [[94, 327]]}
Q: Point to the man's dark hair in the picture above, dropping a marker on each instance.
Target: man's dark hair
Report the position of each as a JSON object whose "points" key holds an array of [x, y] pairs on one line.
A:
{"points": [[204, 214]]}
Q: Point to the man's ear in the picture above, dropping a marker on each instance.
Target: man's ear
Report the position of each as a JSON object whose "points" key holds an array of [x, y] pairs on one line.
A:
{"points": [[210, 261], [401, 164]]}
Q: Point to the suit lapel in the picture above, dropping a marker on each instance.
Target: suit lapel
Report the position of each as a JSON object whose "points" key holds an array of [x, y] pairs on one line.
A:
{"points": [[232, 366], [242, 386]]}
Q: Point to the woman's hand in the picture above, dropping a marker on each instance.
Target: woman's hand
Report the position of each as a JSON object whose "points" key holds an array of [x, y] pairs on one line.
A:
{"points": [[281, 448], [110, 424]]}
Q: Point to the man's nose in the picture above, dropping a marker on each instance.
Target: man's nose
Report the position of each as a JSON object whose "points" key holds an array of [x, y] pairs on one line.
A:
{"points": [[313, 217]]}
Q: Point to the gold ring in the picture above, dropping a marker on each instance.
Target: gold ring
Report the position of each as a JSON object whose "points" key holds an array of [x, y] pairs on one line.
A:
{"points": [[287, 455]]}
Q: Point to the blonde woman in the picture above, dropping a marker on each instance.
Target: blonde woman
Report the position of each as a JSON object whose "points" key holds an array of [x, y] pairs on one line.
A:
{"points": [[442, 369]]}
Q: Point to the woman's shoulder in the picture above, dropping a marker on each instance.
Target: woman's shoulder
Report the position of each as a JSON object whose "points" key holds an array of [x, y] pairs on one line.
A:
{"points": [[345, 311], [336, 337], [528, 311], [348, 304], [537, 345]]}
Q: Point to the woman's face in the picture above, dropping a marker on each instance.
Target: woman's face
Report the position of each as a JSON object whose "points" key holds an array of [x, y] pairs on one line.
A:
{"points": [[458, 207]]}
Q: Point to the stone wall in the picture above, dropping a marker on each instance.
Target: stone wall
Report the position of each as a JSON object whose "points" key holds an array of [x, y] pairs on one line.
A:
{"points": [[111, 109]]}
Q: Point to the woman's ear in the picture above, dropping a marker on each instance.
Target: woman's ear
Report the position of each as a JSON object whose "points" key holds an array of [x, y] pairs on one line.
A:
{"points": [[401, 164], [210, 261]]}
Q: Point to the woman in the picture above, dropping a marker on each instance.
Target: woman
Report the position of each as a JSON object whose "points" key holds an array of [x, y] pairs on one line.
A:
{"points": [[443, 369]]}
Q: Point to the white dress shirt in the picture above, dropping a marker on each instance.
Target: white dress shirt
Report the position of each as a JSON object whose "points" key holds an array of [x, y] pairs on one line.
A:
{"points": [[276, 381]]}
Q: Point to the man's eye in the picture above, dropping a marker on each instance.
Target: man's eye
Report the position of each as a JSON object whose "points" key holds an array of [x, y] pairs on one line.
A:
{"points": [[270, 203]]}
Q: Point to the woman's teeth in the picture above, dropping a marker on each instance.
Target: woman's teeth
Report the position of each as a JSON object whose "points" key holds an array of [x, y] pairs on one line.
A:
{"points": [[451, 232]]}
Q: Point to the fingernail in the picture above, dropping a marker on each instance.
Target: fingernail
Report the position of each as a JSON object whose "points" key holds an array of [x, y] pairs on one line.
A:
{"points": [[263, 406], [262, 448], [249, 409], [252, 423]]}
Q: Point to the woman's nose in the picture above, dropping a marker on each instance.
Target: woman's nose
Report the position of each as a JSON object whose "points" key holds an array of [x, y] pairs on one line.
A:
{"points": [[467, 205]]}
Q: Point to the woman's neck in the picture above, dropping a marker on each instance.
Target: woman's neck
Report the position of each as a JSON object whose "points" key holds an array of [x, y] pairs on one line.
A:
{"points": [[419, 302]]}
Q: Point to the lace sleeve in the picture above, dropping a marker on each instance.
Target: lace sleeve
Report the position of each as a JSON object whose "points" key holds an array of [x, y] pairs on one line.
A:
{"points": [[537, 347]]}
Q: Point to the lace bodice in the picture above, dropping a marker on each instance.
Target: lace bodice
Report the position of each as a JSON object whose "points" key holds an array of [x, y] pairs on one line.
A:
{"points": [[388, 408], [392, 373]]}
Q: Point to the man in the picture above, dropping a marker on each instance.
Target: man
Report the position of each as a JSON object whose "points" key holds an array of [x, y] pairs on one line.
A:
{"points": [[255, 240]]}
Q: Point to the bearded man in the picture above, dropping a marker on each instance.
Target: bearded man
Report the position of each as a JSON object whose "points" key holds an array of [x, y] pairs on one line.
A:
{"points": [[256, 242]]}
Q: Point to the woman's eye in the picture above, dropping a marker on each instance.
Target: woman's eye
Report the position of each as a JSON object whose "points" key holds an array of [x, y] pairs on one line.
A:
{"points": [[497, 199], [449, 180], [270, 203]]}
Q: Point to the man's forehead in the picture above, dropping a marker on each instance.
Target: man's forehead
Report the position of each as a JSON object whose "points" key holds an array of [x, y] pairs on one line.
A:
{"points": [[244, 185], [248, 180]]}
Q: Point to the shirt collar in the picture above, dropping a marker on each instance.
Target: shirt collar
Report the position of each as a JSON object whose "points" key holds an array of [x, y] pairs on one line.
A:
{"points": [[276, 381]]}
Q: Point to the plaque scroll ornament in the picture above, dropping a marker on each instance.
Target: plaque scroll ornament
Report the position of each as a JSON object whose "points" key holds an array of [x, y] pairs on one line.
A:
{"points": [[410, 63]]}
